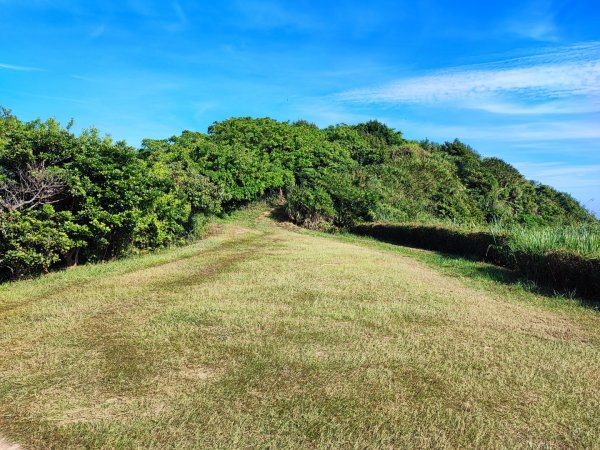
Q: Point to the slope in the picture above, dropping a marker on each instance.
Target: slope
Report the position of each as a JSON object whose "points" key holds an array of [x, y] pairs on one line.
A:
{"points": [[265, 335]]}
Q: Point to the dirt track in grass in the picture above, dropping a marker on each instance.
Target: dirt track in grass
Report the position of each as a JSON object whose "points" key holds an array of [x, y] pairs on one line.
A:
{"points": [[5, 445]]}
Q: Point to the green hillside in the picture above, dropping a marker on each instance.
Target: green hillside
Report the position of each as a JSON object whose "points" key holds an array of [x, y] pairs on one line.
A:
{"points": [[68, 199]]}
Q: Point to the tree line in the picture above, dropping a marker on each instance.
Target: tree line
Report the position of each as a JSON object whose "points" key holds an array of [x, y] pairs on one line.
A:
{"points": [[67, 199]]}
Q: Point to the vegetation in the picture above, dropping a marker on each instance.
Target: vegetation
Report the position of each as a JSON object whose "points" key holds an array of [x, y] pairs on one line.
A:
{"points": [[582, 240], [267, 336], [67, 199], [565, 260]]}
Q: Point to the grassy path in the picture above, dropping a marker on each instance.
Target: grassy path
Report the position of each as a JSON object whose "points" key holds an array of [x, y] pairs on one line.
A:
{"points": [[263, 336]]}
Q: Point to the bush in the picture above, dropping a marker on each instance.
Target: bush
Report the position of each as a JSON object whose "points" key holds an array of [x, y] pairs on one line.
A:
{"points": [[66, 199], [311, 208], [35, 241]]}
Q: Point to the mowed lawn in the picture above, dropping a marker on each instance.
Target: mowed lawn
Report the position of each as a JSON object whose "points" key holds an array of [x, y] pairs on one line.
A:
{"points": [[266, 336]]}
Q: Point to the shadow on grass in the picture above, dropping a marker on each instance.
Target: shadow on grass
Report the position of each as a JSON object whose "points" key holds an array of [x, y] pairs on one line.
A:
{"points": [[480, 270], [482, 255], [278, 213], [507, 277], [480, 264]]}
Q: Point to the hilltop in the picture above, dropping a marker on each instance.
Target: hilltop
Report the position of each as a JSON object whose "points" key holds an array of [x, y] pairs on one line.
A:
{"points": [[67, 199]]}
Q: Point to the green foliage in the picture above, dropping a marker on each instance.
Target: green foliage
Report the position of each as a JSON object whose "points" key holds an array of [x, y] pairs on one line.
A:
{"points": [[33, 242], [113, 200], [310, 207], [417, 185], [582, 239], [66, 199], [502, 194]]}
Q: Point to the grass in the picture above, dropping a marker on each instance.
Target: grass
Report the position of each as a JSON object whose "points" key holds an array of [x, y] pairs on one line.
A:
{"points": [[579, 239], [478, 274], [562, 260], [268, 336], [582, 240]]}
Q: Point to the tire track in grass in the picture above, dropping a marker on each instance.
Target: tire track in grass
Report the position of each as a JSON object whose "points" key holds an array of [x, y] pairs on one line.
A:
{"points": [[5, 444], [126, 363], [159, 267]]}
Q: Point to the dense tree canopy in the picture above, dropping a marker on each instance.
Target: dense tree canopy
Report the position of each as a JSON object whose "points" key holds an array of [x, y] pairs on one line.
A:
{"points": [[66, 199]]}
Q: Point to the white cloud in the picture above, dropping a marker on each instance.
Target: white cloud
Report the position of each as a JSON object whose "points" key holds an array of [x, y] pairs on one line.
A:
{"points": [[84, 78], [98, 31], [324, 113], [534, 132], [274, 14], [552, 107], [582, 181], [544, 30], [534, 19], [20, 68], [545, 131], [180, 13], [505, 87], [575, 175]]}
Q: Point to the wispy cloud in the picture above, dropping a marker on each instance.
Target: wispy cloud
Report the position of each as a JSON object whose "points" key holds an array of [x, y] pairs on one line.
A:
{"points": [[535, 20], [539, 30], [142, 8], [171, 17], [552, 107], [180, 13], [20, 68], [581, 180], [272, 14], [532, 132], [505, 87], [54, 98], [575, 174], [84, 78], [98, 31]]}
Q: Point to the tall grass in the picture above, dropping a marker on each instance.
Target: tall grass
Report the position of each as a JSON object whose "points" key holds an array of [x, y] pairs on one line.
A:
{"points": [[582, 240]]}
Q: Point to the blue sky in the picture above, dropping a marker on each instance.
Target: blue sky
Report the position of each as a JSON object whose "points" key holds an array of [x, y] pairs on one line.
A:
{"points": [[514, 79]]}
